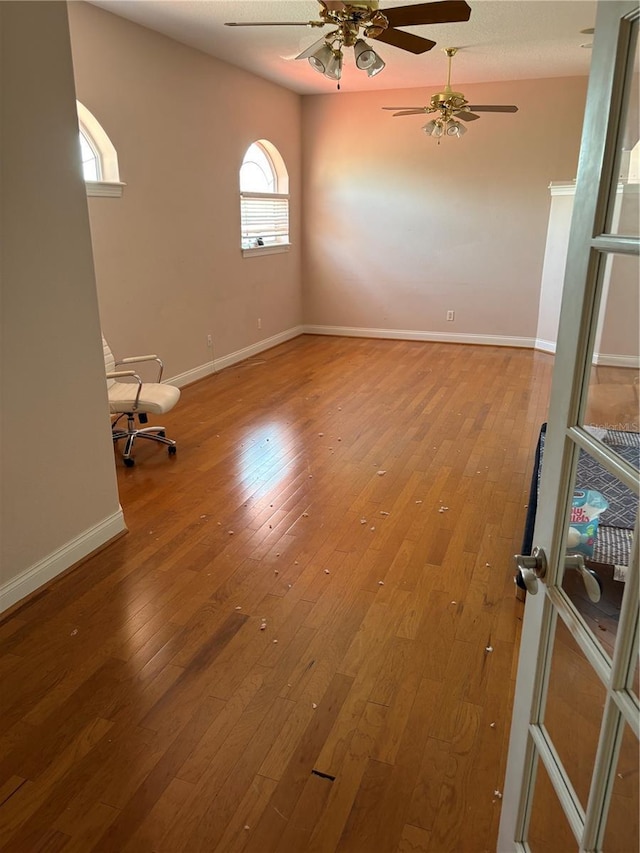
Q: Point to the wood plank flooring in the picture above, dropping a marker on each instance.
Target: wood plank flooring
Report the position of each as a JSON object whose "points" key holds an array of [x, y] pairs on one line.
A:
{"points": [[289, 650]]}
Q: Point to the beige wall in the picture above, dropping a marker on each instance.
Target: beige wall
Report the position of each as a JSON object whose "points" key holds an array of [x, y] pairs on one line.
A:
{"points": [[617, 340], [399, 229], [59, 495], [620, 311], [167, 254]]}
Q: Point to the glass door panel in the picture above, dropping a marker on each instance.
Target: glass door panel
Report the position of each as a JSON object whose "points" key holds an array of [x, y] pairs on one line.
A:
{"points": [[599, 537], [613, 393], [600, 531], [622, 834], [623, 215], [549, 831], [573, 716]]}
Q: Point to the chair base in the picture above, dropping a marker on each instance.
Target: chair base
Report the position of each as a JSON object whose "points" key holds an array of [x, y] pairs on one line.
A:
{"points": [[153, 433]]}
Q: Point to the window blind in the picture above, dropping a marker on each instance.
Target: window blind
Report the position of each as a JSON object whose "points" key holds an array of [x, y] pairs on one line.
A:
{"points": [[264, 219]]}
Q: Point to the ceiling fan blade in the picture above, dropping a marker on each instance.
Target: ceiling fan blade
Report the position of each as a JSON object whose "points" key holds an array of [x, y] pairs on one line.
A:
{"points": [[405, 41], [419, 109], [493, 108], [274, 23], [466, 116], [417, 112], [443, 12], [311, 49]]}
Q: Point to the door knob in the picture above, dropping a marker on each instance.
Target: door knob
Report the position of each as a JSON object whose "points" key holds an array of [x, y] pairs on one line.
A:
{"points": [[590, 579], [531, 567], [535, 566]]}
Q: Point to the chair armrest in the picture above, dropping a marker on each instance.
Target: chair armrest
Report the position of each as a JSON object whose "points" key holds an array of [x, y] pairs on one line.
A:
{"points": [[133, 359], [119, 374]]}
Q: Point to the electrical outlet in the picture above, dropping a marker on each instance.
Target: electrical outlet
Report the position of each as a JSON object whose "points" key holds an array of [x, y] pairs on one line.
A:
{"points": [[209, 341], [259, 323], [451, 315]]}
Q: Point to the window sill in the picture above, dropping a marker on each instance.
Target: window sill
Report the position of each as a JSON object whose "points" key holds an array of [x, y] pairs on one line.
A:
{"points": [[105, 189], [266, 250]]}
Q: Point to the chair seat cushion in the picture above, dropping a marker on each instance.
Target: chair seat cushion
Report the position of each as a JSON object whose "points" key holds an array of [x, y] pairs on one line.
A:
{"points": [[155, 398]]}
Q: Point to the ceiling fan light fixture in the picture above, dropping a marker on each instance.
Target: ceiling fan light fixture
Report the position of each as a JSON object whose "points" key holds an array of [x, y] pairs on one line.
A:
{"points": [[433, 127], [377, 66], [321, 58], [448, 106], [333, 68], [365, 55], [454, 128], [356, 20]]}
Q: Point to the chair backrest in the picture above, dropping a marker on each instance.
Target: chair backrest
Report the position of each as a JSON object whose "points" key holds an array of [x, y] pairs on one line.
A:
{"points": [[109, 361]]}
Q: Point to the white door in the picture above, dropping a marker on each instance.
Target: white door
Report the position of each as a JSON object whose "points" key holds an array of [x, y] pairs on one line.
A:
{"points": [[572, 770]]}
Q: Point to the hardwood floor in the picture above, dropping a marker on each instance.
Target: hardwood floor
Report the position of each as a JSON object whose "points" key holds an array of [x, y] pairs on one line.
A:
{"points": [[306, 640]]}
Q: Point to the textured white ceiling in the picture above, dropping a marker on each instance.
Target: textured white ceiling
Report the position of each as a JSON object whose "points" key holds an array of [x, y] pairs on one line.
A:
{"points": [[503, 40]]}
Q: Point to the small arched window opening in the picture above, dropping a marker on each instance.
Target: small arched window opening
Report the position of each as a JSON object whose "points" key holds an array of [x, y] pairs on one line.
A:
{"points": [[264, 200], [90, 159], [98, 155]]}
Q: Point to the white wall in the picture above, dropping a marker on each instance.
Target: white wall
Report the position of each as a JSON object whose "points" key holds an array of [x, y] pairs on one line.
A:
{"points": [[59, 494]]}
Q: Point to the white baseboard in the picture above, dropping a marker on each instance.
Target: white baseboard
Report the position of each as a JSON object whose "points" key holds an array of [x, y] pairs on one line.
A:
{"points": [[609, 360], [190, 376], [599, 358], [545, 346], [389, 334], [410, 335], [47, 569], [234, 357], [255, 349]]}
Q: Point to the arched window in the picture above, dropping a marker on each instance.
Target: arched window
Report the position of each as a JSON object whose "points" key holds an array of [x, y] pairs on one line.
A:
{"points": [[90, 160], [257, 173], [264, 200], [99, 157]]}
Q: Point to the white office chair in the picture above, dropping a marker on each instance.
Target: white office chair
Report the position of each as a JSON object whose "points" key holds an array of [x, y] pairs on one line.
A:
{"points": [[134, 397]]}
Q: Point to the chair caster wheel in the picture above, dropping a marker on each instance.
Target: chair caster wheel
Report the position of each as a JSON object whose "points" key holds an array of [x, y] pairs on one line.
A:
{"points": [[172, 450], [129, 462]]}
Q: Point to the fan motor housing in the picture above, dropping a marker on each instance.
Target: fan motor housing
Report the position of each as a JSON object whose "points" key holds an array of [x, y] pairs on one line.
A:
{"points": [[443, 97]]}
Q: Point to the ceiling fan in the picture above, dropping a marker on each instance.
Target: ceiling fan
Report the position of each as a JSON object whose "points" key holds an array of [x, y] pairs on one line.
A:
{"points": [[451, 107], [350, 18]]}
